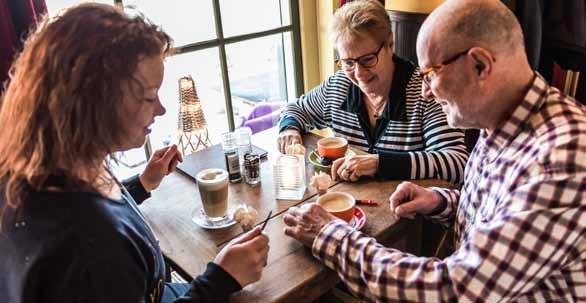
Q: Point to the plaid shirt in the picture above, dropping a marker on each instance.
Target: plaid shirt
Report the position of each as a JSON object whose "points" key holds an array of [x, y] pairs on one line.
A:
{"points": [[520, 220]]}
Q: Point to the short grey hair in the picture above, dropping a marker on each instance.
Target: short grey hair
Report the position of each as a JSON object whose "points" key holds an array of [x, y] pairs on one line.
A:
{"points": [[360, 19], [486, 23]]}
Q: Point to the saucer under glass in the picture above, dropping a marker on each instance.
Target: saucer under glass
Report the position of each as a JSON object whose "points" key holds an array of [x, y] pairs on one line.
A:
{"points": [[206, 222]]}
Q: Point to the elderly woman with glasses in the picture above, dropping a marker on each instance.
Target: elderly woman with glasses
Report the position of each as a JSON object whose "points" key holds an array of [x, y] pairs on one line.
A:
{"points": [[375, 103]]}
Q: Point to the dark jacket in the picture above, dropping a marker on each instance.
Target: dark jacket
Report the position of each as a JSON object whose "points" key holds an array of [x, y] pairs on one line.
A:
{"points": [[82, 247]]}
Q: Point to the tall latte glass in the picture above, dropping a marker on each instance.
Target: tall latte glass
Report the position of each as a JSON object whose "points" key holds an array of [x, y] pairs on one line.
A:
{"points": [[213, 191]]}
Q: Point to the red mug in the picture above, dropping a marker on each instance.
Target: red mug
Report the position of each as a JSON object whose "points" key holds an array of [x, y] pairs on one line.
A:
{"points": [[338, 204], [332, 147]]}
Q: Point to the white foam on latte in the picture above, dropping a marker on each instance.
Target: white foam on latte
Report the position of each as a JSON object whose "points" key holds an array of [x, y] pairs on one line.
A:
{"points": [[212, 178]]}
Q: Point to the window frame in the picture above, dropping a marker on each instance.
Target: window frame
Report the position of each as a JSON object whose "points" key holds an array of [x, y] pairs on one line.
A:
{"points": [[220, 42]]}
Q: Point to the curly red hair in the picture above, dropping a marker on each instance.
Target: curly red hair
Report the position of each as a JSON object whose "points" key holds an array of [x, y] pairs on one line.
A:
{"points": [[62, 104]]}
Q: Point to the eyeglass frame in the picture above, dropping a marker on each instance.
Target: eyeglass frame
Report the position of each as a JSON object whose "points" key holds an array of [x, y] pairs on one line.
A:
{"points": [[428, 72], [357, 59]]}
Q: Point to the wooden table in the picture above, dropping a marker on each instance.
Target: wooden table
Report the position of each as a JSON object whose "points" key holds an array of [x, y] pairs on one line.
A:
{"points": [[292, 274]]}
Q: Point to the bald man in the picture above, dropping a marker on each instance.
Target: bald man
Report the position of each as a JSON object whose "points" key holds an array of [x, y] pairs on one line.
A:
{"points": [[520, 218]]}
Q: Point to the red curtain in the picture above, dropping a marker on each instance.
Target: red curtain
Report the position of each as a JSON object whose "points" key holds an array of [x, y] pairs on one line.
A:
{"points": [[16, 18]]}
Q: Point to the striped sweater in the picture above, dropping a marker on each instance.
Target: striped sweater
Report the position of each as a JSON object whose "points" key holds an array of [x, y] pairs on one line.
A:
{"points": [[412, 136]]}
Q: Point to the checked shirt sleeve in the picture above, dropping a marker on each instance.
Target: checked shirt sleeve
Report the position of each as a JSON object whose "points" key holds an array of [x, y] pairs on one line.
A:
{"points": [[446, 216], [503, 259]]}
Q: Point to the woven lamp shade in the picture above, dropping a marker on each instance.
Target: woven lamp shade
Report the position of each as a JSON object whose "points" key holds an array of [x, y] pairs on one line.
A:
{"points": [[192, 126], [191, 116]]}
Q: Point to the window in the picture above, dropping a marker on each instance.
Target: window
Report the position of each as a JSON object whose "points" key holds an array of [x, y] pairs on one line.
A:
{"points": [[54, 6], [239, 53]]}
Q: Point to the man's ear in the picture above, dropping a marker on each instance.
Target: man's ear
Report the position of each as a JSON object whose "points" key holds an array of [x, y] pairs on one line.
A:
{"points": [[479, 67], [483, 60]]}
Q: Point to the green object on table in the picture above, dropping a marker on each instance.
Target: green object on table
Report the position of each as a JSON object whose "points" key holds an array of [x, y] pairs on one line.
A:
{"points": [[314, 159]]}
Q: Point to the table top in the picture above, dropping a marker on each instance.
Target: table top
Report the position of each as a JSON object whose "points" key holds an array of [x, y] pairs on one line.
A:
{"points": [[170, 209]]}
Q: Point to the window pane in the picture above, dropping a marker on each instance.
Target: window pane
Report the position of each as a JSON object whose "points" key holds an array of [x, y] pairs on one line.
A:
{"points": [[54, 6], [130, 163], [244, 17], [204, 67], [185, 21], [258, 73]]}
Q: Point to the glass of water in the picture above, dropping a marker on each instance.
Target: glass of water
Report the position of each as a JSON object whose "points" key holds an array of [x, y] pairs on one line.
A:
{"points": [[243, 138]]}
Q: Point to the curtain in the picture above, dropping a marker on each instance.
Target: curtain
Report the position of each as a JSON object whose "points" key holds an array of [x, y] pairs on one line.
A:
{"points": [[16, 18]]}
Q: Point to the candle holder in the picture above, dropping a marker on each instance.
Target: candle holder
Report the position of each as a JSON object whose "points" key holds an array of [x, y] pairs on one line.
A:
{"points": [[192, 126], [289, 174]]}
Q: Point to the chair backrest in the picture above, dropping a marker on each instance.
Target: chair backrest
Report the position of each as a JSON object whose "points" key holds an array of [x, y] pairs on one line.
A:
{"points": [[263, 116]]}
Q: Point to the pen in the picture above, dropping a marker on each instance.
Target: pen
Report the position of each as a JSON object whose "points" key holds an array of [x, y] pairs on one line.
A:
{"points": [[266, 220]]}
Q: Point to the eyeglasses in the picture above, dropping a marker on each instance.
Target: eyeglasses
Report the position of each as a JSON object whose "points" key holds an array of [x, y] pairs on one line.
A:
{"points": [[429, 73], [368, 60]]}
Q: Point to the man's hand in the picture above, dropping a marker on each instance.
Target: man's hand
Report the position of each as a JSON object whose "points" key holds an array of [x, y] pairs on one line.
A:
{"points": [[351, 168], [288, 137], [163, 162], [245, 257], [410, 199], [304, 223]]}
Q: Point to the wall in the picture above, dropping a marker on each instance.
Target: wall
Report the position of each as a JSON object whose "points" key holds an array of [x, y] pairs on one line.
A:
{"points": [[316, 49], [309, 43], [412, 6]]}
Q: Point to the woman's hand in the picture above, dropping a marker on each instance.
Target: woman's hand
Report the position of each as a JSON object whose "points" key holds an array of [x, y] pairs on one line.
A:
{"points": [[410, 199], [245, 257], [351, 168], [163, 162], [288, 137], [304, 223]]}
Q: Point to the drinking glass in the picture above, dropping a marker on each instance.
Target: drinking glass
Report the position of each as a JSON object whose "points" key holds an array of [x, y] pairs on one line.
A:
{"points": [[213, 191], [243, 139]]}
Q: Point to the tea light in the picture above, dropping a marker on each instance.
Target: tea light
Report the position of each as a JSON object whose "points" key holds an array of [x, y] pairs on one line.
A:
{"points": [[289, 172]]}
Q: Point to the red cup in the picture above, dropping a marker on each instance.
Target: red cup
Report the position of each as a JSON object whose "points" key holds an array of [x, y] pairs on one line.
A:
{"points": [[332, 148], [338, 204]]}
